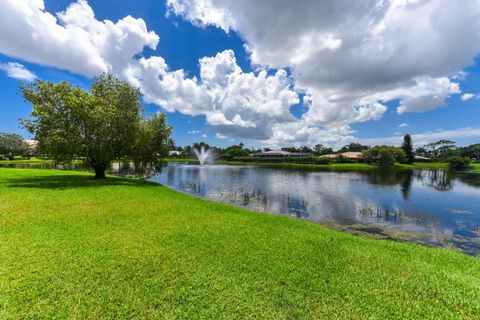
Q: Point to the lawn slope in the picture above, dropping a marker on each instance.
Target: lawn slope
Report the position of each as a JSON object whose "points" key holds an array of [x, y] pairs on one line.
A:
{"points": [[73, 247]]}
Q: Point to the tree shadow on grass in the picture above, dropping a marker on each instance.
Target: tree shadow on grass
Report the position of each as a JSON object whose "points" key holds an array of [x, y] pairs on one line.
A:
{"points": [[73, 181]]}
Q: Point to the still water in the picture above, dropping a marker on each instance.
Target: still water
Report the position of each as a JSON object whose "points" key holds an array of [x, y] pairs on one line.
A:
{"points": [[426, 206]]}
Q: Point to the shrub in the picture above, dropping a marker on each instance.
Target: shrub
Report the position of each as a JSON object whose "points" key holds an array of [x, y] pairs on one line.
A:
{"points": [[232, 153], [342, 159], [384, 155], [300, 159], [458, 163], [323, 160], [245, 159]]}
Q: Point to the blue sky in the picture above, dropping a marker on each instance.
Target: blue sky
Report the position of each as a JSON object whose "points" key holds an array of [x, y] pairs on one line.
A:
{"points": [[331, 108]]}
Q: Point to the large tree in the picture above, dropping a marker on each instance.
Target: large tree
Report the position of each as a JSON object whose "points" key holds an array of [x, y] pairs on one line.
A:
{"points": [[408, 148], [12, 144], [100, 125], [441, 150]]}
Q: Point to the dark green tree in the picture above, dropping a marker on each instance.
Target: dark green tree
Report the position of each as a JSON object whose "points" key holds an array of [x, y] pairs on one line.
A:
{"points": [[472, 151], [354, 147], [458, 163], [199, 145], [408, 148], [320, 149], [235, 151], [384, 155], [306, 149], [291, 149], [100, 125], [12, 144]]}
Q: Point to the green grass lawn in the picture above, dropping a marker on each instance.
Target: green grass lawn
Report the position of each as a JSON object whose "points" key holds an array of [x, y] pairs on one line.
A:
{"points": [[423, 165], [476, 165], [33, 160], [22, 160], [74, 247]]}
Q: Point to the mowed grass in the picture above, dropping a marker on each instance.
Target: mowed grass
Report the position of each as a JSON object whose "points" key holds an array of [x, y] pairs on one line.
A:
{"points": [[32, 160], [476, 166], [73, 247]]}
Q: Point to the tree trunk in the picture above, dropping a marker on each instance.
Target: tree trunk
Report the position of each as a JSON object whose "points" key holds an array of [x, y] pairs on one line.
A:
{"points": [[99, 172]]}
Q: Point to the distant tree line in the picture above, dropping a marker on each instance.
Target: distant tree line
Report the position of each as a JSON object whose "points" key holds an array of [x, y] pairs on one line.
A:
{"points": [[384, 155]]}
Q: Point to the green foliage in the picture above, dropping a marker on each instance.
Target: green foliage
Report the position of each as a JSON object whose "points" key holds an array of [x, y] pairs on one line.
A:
{"points": [[74, 247], [321, 160], [353, 147], [100, 125], [407, 147], [234, 152], [290, 149], [304, 149], [441, 150], [286, 160], [384, 155], [472, 151], [199, 145], [320, 149], [458, 163], [12, 144], [152, 140]]}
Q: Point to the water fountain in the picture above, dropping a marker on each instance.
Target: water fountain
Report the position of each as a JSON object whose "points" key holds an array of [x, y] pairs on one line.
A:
{"points": [[202, 154]]}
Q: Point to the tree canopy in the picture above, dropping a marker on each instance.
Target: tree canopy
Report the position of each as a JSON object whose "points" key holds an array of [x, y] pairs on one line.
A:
{"points": [[102, 124], [441, 150], [353, 147], [12, 144], [384, 155]]}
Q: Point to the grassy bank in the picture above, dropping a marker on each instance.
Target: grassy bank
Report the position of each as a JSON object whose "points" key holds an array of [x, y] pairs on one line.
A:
{"points": [[359, 166], [73, 247], [32, 160], [333, 166], [476, 165]]}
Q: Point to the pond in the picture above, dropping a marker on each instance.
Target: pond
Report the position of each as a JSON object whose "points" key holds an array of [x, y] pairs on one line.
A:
{"points": [[432, 207], [426, 206]]}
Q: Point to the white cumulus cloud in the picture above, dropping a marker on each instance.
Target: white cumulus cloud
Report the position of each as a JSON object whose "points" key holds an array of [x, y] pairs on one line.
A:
{"points": [[73, 40], [351, 57], [236, 103], [17, 71], [468, 96]]}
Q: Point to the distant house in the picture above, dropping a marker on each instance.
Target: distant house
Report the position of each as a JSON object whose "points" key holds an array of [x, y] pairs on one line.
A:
{"points": [[31, 143], [174, 153], [350, 155], [281, 154], [422, 159]]}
